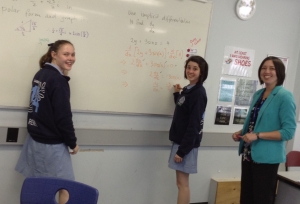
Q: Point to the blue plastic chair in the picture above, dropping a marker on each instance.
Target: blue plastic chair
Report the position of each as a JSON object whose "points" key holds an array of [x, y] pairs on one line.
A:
{"points": [[42, 190]]}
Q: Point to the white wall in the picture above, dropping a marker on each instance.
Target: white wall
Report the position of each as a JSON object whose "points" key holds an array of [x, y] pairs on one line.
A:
{"points": [[139, 175], [131, 175], [296, 141], [274, 29], [296, 144]]}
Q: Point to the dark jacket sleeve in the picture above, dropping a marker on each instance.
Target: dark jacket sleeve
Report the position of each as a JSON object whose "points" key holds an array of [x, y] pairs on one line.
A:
{"points": [[176, 95], [197, 106], [63, 115]]}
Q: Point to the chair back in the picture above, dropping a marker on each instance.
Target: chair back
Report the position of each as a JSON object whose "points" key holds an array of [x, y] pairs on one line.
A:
{"points": [[292, 159], [42, 190]]}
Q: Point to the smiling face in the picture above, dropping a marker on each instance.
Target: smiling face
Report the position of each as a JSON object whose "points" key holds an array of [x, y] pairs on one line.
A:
{"points": [[64, 58], [268, 73], [192, 72]]}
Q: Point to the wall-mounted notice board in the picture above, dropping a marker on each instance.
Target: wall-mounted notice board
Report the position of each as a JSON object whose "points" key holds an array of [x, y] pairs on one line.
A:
{"points": [[129, 53]]}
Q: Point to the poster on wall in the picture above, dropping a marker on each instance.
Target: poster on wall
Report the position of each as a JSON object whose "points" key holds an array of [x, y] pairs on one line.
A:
{"points": [[240, 115], [238, 61], [245, 88], [223, 115], [226, 90]]}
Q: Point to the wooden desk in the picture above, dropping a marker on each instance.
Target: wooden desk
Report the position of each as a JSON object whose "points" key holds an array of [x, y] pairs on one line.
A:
{"points": [[288, 188], [224, 191]]}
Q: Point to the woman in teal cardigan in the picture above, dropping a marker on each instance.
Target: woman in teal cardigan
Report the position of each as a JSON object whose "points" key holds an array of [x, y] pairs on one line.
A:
{"points": [[269, 124]]}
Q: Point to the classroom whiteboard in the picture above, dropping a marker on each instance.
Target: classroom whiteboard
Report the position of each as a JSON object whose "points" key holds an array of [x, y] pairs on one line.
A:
{"points": [[129, 53]]}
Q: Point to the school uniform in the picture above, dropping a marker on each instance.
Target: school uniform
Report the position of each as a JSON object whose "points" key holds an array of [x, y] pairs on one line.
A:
{"points": [[187, 126], [50, 127]]}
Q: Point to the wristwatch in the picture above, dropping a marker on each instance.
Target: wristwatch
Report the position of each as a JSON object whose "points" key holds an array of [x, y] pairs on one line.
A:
{"points": [[257, 135]]}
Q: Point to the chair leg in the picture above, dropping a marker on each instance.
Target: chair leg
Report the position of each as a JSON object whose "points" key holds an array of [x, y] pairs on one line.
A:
{"points": [[276, 191]]}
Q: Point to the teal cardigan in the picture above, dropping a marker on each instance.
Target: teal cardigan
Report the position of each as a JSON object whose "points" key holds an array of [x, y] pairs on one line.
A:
{"points": [[277, 113]]}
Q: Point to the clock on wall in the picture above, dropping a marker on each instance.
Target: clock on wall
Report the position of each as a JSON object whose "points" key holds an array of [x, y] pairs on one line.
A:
{"points": [[245, 9]]}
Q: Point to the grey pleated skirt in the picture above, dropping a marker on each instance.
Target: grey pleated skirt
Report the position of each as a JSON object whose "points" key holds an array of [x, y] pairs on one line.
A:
{"points": [[189, 162], [45, 160]]}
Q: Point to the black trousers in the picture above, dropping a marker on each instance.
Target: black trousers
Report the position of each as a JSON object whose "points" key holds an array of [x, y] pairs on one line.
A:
{"points": [[258, 183]]}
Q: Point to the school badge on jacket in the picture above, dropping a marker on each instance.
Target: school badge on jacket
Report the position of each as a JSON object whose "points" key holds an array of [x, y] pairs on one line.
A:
{"points": [[181, 101], [37, 94]]}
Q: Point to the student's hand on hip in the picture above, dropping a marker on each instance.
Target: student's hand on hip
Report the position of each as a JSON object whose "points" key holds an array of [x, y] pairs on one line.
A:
{"points": [[177, 159], [75, 150]]}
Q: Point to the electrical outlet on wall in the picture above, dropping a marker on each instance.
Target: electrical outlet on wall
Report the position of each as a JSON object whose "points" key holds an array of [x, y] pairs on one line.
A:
{"points": [[12, 134]]}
